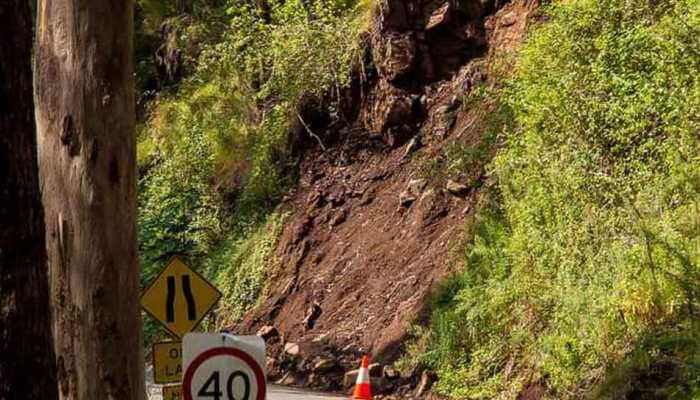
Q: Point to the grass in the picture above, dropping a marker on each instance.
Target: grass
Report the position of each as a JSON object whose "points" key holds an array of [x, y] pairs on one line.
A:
{"points": [[583, 272]]}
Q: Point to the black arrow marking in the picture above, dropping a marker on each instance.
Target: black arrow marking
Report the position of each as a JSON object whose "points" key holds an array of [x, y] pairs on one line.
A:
{"points": [[170, 301], [187, 290]]}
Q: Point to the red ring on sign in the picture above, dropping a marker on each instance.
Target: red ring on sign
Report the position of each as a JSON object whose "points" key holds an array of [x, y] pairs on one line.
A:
{"points": [[224, 351]]}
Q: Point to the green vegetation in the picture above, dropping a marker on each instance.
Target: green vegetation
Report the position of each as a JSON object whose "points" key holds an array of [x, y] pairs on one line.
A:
{"points": [[583, 274], [465, 161], [215, 151]]}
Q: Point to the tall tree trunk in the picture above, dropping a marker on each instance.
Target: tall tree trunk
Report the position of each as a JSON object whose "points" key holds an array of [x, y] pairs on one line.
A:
{"points": [[85, 120], [185, 6], [26, 352]]}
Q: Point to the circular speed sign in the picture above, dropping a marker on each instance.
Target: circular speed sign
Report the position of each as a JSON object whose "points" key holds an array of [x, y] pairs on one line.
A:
{"points": [[224, 373]]}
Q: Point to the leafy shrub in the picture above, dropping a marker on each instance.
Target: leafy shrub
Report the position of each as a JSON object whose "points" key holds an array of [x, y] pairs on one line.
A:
{"points": [[586, 266], [215, 156], [242, 266], [179, 211], [229, 123]]}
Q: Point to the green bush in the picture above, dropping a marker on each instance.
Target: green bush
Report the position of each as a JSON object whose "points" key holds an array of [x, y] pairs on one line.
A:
{"points": [[584, 267], [215, 155], [241, 267], [179, 211], [227, 128]]}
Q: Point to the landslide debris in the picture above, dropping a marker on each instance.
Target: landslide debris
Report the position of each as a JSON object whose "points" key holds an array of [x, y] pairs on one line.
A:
{"points": [[369, 232]]}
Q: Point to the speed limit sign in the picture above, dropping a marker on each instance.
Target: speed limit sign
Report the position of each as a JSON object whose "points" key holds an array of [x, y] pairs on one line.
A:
{"points": [[223, 367]]}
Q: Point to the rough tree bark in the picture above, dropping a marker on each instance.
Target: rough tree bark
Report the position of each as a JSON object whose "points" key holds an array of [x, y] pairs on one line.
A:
{"points": [[185, 6], [26, 352], [85, 120]]}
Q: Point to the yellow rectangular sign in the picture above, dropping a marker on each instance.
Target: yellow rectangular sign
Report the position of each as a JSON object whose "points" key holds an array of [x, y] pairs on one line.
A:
{"points": [[167, 362], [172, 392], [179, 298]]}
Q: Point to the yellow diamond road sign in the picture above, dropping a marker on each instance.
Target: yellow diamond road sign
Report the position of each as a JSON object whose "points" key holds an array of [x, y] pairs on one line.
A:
{"points": [[179, 298]]}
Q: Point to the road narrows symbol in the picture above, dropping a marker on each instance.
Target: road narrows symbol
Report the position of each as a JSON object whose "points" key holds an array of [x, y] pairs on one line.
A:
{"points": [[170, 300], [187, 289], [189, 299]]}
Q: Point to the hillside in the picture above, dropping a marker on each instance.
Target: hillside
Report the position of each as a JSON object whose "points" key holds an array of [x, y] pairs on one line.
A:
{"points": [[377, 215], [500, 195]]}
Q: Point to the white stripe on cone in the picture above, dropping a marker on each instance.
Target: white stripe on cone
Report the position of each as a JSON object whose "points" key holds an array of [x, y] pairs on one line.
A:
{"points": [[363, 376]]}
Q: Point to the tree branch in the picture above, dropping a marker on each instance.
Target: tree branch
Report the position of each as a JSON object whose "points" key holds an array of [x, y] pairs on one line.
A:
{"points": [[310, 132]]}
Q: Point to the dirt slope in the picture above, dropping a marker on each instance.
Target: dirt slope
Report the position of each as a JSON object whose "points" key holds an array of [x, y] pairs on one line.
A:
{"points": [[369, 232]]}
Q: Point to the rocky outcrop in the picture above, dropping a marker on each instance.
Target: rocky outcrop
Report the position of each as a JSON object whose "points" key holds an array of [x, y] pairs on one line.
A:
{"points": [[416, 43], [389, 111], [395, 54]]}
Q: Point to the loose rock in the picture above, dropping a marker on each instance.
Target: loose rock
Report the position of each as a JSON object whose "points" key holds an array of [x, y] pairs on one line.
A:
{"points": [[287, 380], [439, 16], [508, 19], [375, 370], [406, 199], [390, 372], [270, 363], [350, 378], [292, 349], [324, 365], [456, 188], [315, 199], [416, 186], [412, 147], [312, 315], [338, 218], [267, 332]]}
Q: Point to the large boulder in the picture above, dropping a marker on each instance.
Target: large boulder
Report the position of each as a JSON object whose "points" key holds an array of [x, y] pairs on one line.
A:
{"points": [[394, 54], [389, 107]]}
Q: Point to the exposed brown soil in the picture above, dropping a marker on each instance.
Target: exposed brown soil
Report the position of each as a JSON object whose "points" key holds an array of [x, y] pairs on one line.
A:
{"points": [[354, 251], [368, 235], [534, 392]]}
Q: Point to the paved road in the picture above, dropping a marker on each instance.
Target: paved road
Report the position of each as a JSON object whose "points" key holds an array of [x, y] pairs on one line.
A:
{"points": [[281, 393], [274, 392], [154, 392]]}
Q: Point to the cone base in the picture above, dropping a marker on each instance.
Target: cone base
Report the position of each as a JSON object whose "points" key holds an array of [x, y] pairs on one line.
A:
{"points": [[362, 392]]}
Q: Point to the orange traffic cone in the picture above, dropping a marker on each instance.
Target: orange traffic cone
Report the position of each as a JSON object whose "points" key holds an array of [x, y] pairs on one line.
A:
{"points": [[363, 387]]}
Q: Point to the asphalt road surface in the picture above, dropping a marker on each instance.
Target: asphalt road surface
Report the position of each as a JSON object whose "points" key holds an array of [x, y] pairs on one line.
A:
{"points": [[278, 393], [273, 392], [281, 393], [154, 392]]}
